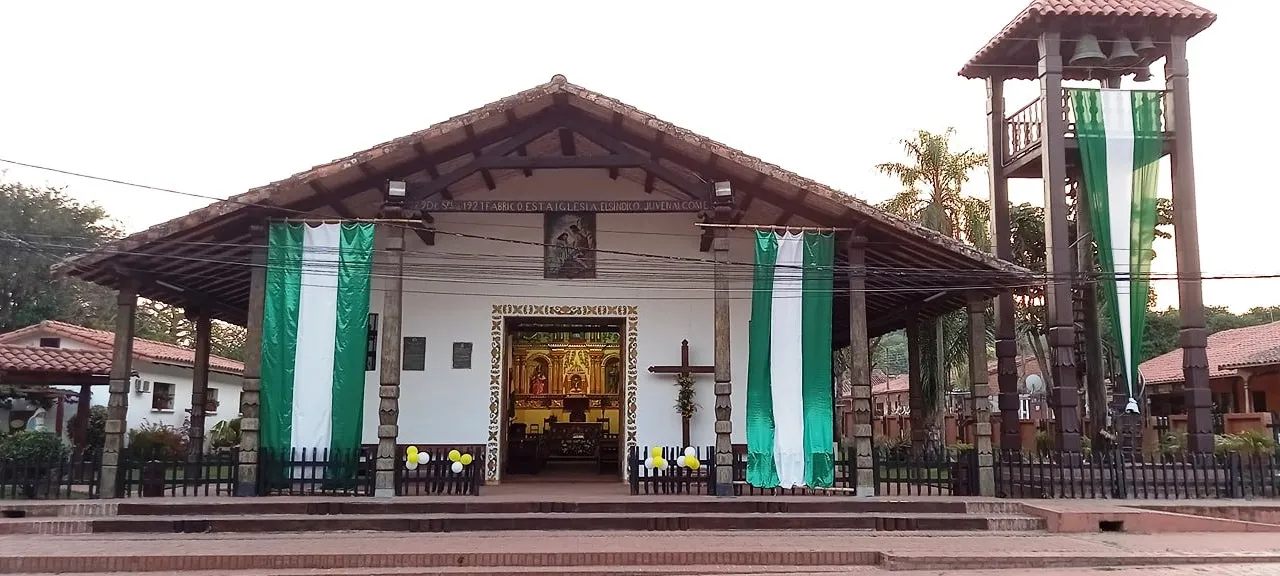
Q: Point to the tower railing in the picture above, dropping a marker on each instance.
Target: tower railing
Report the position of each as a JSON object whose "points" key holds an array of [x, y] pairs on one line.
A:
{"points": [[1024, 128]]}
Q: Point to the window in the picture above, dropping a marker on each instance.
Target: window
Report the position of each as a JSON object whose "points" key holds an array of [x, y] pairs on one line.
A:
{"points": [[880, 408], [211, 401], [1259, 401], [239, 403], [162, 396], [1024, 409], [50, 342]]}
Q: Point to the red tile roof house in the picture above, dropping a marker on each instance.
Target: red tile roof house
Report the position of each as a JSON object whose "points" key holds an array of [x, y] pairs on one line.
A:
{"points": [[161, 391], [1244, 377]]}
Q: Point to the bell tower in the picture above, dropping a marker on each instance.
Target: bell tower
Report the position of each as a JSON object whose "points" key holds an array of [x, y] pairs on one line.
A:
{"points": [[1102, 42]]}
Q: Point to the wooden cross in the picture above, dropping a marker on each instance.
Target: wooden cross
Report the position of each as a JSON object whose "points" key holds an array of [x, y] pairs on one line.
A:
{"points": [[684, 369]]}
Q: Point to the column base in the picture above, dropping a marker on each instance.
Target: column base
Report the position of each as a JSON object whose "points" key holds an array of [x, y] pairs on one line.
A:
{"points": [[384, 493], [724, 490], [246, 489], [865, 491]]}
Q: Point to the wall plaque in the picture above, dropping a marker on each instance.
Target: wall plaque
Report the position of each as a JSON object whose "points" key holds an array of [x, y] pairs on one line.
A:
{"points": [[414, 354], [461, 355]]}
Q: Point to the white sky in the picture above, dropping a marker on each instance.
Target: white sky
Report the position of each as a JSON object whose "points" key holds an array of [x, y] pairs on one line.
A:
{"points": [[220, 99]]}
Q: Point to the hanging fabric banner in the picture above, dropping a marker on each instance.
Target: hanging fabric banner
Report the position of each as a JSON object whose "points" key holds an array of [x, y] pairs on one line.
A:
{"points": [[789, 382], [314, 327], [1121, 142]]}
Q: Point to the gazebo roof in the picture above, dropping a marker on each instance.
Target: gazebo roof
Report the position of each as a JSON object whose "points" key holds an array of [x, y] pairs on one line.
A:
{"points": [[1013, 52], [205, 254]]}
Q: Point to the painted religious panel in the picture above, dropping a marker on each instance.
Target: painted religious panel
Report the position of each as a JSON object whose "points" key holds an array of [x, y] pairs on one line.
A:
{"points": [[570, 245]]}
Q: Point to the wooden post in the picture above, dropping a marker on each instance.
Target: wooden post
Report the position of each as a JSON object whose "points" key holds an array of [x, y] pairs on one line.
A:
{"points": [[251, 383], [1006, 336], [1095, 378], [81, 424], [980, 395], [1193, 336], [199, 384], [915, 370], [723, 372], [1065, 397], [118, 403], [860, 367], [389, 365]]}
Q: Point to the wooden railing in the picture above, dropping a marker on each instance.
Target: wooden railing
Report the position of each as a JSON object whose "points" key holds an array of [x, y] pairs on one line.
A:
{"points": [[1023, 128]]}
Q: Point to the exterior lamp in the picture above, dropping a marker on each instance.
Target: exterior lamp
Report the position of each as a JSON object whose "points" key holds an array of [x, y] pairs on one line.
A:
{"points": [[723, 193], [395, 191]]}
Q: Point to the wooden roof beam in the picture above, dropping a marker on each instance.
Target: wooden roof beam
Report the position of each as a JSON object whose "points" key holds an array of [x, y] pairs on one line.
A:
{"points": [[530, 132], [431, 168], [521, 150], [592, 130], [333, 201], [479, 151], [653, 155], [617, 125]]}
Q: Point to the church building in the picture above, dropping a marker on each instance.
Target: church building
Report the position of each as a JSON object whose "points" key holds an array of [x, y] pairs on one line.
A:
{"points": [[546, 270]]}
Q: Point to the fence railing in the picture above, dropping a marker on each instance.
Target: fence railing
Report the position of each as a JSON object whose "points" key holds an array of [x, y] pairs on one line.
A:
{"points": [[316, 471], [435, 474], [59, 479], [159, 474], [902, 471], [1023, 128], [1121, 474], [672, 479]]}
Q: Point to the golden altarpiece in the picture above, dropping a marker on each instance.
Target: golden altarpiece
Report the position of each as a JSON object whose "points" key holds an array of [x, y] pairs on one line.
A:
{"points": [[564, 393]]}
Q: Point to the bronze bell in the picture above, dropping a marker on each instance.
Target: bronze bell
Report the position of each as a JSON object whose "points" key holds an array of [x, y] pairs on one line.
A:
{"points": [[1122, 54], [1146, 46], [1088, 52]]}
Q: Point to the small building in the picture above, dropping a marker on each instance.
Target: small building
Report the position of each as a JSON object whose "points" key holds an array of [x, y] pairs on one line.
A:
{"points": [[1244, 373], [57, 354]]}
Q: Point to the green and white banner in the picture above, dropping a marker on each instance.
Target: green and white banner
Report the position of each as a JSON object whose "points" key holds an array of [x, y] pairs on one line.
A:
{"points": [[789, 385], [1120, 147], [314, 328]]}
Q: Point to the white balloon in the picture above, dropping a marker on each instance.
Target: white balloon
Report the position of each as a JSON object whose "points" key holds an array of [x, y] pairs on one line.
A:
{"points": [[411, 465], [648, 463], [680, 461], [457, 467], [423, 457], [691, 452]]}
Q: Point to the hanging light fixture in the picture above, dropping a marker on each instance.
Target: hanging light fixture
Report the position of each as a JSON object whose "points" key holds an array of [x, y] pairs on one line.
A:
{"points": [[1088, 52], [1122, 54]]}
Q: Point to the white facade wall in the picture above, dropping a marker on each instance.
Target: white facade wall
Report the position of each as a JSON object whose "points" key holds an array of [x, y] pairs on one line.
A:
{"points": [[443, 405]]}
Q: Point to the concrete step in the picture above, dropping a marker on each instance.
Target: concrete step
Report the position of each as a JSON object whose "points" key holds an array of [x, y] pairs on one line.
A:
{"points": [[631, 521], [695, 570], [674, 505]]}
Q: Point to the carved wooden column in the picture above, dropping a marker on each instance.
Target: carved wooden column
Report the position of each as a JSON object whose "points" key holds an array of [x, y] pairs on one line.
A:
{"points": [[723, 373], [81, 423], [1002, 240], [118, 402], [1094, 368], [1193, 337], [1059, 317], [389, 364], [199, 383], [980, 395], [915, 398], [251, 383], [860, 368]]}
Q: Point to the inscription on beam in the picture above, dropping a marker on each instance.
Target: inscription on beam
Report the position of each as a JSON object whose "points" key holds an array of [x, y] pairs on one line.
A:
{"points": [[536, 206]]}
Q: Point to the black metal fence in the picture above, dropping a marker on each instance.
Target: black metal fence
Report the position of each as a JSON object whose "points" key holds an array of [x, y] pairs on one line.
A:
{"points": [[1120, 474], [901, 471], [316, 471], [61, 479], [435, 474], [645, 478], [160, 474]]}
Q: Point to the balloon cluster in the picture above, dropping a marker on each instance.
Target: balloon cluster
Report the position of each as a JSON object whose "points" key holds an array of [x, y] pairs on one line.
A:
{"points": [[414, 458], [687, 460]]}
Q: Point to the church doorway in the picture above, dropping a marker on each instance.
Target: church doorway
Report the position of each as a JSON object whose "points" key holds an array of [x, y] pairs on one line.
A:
{"points": [[563, 396]]}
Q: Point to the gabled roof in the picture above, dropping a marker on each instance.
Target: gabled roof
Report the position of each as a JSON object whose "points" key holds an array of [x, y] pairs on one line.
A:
{"points": [[54, 360], [143, 349], [425, 155], [1227, 350], [1019, 35]]}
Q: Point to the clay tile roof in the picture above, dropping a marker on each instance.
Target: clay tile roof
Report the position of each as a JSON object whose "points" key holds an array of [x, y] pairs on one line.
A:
{"points": [[1027, 23], [1227, 349], [59, 360], [143, 348], [1263, 358]]}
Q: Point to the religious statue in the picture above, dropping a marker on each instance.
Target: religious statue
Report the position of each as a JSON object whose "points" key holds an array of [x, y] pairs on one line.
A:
{"points": [[538, 382], [611, 377], [575, 384]]}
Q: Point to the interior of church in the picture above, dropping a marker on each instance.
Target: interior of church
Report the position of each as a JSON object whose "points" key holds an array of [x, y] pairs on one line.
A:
{"points": [[563, 398]]}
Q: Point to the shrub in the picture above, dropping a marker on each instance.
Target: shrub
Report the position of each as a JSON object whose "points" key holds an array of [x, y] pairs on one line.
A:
{"points": [[97, 432], [32, 447], [1247, 443], [225, 434], [158, 441]]}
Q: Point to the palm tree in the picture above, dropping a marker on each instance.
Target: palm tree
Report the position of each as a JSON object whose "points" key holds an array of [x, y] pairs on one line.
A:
{"points": [[932, 179]]}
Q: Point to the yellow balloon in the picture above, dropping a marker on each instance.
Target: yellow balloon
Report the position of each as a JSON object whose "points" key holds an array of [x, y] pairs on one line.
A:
{"points": [[656, 452], [692, 463], [454, 456], [413, 458], [412, 452], [465, 460], [659, 462]]}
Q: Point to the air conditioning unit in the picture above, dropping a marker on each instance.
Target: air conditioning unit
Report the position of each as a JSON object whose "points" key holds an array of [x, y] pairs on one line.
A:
{"points": [[141, 386]]}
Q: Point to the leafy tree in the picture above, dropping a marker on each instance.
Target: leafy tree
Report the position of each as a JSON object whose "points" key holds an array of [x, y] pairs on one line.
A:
{"points": [[932, 179], [38, 227]]}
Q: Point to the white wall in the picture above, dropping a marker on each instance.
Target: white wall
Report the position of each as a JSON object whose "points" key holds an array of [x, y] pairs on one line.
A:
{"points": [[140, 410], [446, 305]]}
